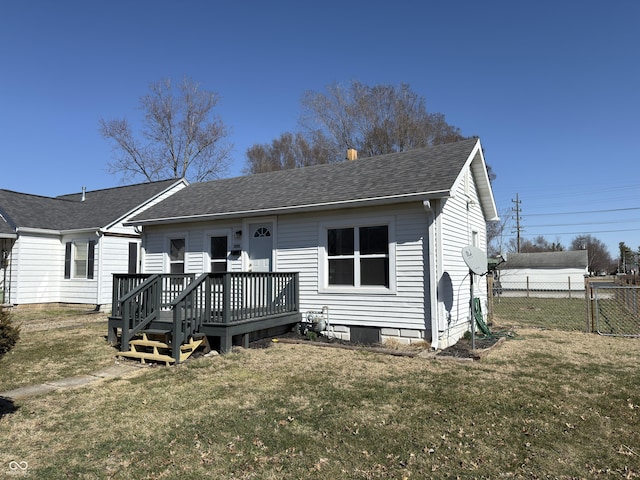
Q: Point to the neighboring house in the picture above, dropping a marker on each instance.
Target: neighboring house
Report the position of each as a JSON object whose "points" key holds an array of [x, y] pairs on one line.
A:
{"points": [[377, 240], [66, 249], [545, 271]]}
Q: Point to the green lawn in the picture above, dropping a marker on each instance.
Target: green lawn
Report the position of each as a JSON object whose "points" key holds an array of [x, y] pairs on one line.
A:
{"points": [[554, 313]]}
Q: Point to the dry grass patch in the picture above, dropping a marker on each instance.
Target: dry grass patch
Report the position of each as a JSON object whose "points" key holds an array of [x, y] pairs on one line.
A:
{"points": [[55, 347], [543, 405]]}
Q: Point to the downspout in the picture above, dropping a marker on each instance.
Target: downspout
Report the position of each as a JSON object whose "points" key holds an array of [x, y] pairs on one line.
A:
{"points": [[100, 235], [433, 273]]}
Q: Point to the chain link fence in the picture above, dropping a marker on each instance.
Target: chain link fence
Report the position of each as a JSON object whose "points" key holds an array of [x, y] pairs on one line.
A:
{"points": [[555, 305], [601, 305], [615, 310]]}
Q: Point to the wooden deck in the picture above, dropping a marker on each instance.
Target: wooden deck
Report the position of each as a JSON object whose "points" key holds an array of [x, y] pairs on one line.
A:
{"points": [[220, 306]]}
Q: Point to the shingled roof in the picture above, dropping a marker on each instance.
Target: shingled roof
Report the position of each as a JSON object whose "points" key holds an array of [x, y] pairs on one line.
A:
{"points": [[422, 173], [5, 229], [565, 259], [68, 212]]}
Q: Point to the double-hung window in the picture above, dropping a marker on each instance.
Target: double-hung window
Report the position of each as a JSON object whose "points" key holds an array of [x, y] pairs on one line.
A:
{"points": [[358, 256], [79, 259], [219, 254], [176, 255]]}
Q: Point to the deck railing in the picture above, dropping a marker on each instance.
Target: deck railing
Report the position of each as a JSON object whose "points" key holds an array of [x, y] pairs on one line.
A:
{"points": [[146, 298], [213, 298], [124, 283]]}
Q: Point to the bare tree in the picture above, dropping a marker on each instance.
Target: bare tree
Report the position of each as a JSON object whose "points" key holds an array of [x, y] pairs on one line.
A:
{"points": [[598, 255], [538, 244], [181, 136], [374, 120], [495, 234], [289, 151]]}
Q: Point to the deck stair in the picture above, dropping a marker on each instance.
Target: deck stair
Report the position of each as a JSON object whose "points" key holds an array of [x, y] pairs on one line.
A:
{"points": [[166, 317], [155, 345]]}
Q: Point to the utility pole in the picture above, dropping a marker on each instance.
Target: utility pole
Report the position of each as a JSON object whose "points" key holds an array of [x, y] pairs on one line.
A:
{"points": [[517, 210]]}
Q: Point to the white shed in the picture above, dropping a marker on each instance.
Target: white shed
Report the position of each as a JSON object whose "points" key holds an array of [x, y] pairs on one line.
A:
{"points": [[563, 271]]}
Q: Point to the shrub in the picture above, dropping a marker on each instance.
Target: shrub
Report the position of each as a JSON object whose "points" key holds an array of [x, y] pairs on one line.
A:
{"points": [[9, 333]]}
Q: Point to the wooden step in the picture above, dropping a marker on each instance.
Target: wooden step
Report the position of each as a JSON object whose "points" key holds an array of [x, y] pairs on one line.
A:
{"points": [[156, 332], [143, 342], [155, 350]]}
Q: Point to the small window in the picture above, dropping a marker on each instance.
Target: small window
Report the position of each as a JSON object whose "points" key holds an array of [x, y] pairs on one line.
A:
{"points": [[176, 255], [79, 259], [219, 254], [262, 232]]}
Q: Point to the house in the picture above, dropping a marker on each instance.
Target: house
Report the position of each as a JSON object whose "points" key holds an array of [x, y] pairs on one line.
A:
{"points": [[376, 242], [563, 271], [66, 249]]}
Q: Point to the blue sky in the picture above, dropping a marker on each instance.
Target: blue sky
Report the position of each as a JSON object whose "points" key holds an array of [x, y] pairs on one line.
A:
{"points": [[551, 87]]}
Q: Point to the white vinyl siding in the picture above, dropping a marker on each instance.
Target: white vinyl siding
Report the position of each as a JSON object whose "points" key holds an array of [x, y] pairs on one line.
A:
{"points": [[113, 258], [298, 238], [297, 250], [461, 216], [37, 269], [197, 259], [78, 289]]}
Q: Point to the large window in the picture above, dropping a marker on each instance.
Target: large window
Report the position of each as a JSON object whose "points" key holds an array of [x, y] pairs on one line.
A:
{"points": [[218, 254], [79, 259], [358, 256], [176, 255]]}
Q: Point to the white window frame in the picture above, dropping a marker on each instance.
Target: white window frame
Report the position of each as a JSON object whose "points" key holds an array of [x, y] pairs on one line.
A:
{"points": [[206, 267], [323, 257], [167, 250], [74, 274]]}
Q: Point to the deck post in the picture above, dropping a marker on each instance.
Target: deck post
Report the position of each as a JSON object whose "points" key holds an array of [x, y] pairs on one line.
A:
{"points": [[226, 342], [226, 298]]}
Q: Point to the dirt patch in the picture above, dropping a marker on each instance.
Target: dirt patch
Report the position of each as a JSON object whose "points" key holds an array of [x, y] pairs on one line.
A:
{"points": [[463, 348]]}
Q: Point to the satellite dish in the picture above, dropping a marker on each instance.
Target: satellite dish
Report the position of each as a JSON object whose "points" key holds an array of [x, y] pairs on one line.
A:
{"points": [[475, 259]]}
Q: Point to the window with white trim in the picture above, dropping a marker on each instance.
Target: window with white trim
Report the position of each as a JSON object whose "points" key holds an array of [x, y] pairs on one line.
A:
{"points": [[219, 253], [79, 259], [358, 256], [176, 255]]}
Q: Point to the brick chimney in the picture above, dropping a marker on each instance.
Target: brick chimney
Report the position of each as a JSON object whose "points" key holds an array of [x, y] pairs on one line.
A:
{"points": [[352, 154]]}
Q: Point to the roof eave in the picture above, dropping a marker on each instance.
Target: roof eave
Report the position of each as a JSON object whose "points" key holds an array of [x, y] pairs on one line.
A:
{"points": [[36, 231], [365, 202], [123, 217]]}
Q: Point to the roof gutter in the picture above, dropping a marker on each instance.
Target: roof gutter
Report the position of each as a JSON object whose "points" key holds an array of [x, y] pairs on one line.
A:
{"points": [[96, 230], [353, 203], [8, 235], [37, 231]]}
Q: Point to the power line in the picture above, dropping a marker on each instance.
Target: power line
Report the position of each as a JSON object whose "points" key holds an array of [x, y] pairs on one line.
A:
{"points": [[584, 223], [579, 233], [583, 212]]}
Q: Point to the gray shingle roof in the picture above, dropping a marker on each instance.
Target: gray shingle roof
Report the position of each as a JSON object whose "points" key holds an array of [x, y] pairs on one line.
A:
{"points": [[68, 212], [5, 228], [429, 171], [568, 259]]}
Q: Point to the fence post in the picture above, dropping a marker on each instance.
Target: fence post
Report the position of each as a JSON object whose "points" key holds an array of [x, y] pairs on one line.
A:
{"points": [[527, 286], [569, 278], [589, 299]]}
